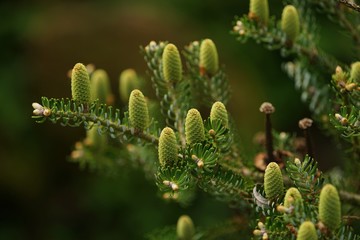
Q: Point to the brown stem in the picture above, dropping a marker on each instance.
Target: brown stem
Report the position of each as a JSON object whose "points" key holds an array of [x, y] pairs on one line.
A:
{"points": [[309, 145], [305, 124], [269, 140]]}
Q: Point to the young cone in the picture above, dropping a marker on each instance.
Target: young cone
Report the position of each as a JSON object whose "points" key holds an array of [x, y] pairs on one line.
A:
{"points": [[355, 72], [100, 86], [185, 229], [259, 10], [138, 110], [330, 207], [307, 231], [209, 60], [167, 147], [290, 22], [128, 81], [194, 127], [273, 181], [80, 84], [218, 112], [291, 197], [171, 63]]}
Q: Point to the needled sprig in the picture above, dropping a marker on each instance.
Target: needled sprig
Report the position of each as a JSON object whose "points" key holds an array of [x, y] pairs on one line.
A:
{"points": [[100, 86], [219, 112], [355, 72], [305, 124], [290, 23], [307, 231], [80, 84], [194, 127], [168, 149], [209, 59], [171, 64], [128, 81], [138, 111], [330, 207], [268, 109], [273, 181], [259, 11], [185, 229]]}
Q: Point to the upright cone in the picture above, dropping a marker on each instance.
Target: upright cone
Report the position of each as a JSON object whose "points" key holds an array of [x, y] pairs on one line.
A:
{"points": [[259, 11], [219, 112], [128, 81], [100, 86], [330, 207], [292, 196], [273, 181], [185, 229], [80, 84], [171, 62], [290, 23], [209, 60], [355, 72], [138, 110], [167, 147], [194, 127], [307, 231]]}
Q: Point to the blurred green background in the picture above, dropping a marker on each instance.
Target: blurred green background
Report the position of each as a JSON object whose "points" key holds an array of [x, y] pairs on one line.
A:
{"points": [[44, 196]]}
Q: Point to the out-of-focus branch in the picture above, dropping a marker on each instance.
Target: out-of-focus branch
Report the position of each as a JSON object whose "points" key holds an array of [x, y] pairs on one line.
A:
{"points": [[350, 4]]}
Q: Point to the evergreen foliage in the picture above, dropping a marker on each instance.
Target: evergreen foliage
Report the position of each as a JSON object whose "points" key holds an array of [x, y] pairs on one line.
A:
{"points": [[184, 154]]}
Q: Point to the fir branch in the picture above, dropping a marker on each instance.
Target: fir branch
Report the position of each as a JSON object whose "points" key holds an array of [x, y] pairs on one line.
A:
{"points": [[350, 4], [71, 113], [225, 186], [339, 16], [174, 97], [349, 197]]}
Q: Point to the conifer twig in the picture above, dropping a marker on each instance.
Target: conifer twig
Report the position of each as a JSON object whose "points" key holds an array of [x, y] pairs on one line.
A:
{"points": [[350, 4], [352, 198]]}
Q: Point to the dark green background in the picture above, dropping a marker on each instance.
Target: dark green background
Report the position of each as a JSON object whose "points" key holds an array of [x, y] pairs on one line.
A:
{"points": [[42, 195]]}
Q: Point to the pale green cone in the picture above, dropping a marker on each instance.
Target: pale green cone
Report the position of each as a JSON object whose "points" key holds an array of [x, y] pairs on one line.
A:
{"points": [[185, 229], [259, 10], [219, 112], [80, 84], [291, 197], [100, 86], [290, 22], [209, 60], [194, 127], [355, 72], [171, 64], [138, 110], [128, 81], [330, 207], [168, 150], [273, 181], [307, 231]]}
